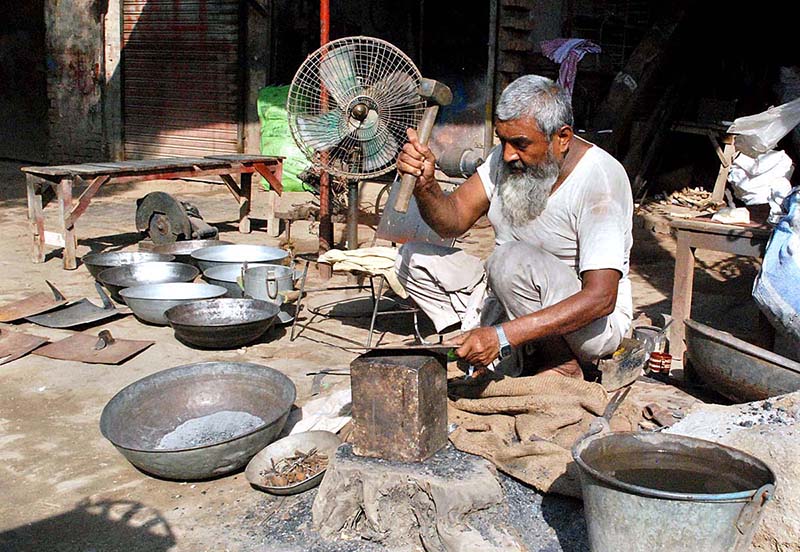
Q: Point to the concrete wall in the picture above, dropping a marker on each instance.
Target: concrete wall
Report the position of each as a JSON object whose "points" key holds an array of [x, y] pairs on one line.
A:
{"points": [[74, 44]]}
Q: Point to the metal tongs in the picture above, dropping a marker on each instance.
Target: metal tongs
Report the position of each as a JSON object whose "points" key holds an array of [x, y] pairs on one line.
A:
{"points": [[601, 424]]}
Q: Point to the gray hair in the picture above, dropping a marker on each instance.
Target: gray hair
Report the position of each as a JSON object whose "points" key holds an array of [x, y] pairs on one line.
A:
{"points": [[539, 98]]}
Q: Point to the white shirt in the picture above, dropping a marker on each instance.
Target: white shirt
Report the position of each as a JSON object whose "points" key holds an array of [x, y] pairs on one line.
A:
{"points": [[586, 223]]}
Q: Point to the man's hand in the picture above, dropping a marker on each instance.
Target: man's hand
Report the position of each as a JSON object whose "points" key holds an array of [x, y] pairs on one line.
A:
{"points": [[417, 159], [479, 347]]}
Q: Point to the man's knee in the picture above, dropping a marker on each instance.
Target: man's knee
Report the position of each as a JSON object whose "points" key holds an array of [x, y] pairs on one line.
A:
{"points": [[511, 267]]}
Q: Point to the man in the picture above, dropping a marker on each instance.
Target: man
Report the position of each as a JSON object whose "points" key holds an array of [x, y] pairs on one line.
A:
{"points": [[561, 210]]}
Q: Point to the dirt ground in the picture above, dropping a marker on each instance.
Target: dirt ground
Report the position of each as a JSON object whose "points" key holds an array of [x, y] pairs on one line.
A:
{"points": [[64, 487]]}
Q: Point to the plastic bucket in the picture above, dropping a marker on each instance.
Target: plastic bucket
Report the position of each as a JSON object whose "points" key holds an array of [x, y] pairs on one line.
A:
{"points": [[659, 492]]}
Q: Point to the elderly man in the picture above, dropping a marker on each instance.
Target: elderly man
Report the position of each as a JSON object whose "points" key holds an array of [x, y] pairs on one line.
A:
{"points": [[561, 210]]}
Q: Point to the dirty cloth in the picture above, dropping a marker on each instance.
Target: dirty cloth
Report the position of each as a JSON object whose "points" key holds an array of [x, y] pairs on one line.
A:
{"points": [[449, 285], [527, 426], [568, 52], [378, 261]]}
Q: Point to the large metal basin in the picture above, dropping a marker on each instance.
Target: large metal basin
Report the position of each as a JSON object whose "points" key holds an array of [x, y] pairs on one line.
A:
{"points": [[182, 250], [736, 369], [140, 415], [238, 255], [97, 262], [222, 323], [120, 277], [150, 302]]}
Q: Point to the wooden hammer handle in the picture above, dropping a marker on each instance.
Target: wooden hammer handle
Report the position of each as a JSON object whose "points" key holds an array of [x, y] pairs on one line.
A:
{"points": [[409, 180]]}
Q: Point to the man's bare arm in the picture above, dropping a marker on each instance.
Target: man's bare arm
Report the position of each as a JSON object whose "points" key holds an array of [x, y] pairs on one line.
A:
{"points": [[596, 299], [450, 215]]}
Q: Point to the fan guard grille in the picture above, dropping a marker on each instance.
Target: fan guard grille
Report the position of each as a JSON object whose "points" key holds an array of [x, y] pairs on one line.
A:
{"points": [[350, 103]]}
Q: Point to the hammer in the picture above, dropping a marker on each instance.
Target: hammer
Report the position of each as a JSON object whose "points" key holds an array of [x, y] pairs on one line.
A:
{"points": [[435, 94]]}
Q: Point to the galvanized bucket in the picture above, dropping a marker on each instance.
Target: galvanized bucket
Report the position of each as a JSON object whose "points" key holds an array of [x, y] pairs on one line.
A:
{"points": [[660, 492], [266, 282]]}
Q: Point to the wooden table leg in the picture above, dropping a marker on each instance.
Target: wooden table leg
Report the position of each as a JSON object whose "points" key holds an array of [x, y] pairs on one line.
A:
{"points": [[64, 191], [681, 295], [245, 197], [35, 217]]}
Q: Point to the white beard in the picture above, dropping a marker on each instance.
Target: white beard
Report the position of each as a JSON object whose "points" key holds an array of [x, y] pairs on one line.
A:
{"points": [[524, 194]]}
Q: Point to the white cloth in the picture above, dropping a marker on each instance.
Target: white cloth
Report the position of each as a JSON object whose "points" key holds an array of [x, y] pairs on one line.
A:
{"points": [[586, 224], [372, 260]]}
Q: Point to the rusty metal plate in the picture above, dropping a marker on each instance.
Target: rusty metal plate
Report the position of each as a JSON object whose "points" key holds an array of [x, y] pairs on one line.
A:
{"points": [[399, 406], [93, 348], [32, 305], [14, 345]]}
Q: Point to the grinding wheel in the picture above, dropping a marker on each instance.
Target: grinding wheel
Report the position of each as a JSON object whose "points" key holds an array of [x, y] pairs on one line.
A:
{"points": [[163, 218]]}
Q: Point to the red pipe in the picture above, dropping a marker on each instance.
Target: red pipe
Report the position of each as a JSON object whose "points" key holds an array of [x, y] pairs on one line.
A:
{"points": [[325, 223]]}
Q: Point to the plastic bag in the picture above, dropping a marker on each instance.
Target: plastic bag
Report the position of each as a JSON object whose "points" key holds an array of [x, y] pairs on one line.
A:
{"points": [[775, 290], [764, 179], [761, 132]]}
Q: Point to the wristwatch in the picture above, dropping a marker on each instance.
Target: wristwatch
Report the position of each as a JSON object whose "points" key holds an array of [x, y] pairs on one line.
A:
{"points": [[505, 346]]}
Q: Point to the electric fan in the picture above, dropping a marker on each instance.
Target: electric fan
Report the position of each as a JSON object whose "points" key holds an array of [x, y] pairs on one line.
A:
{"points": [[350, 103]]}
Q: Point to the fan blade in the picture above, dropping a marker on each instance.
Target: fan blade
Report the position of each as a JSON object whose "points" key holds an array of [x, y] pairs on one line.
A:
{"points": [[396, 89], [337, 72], [320, 132], [380, 151]]}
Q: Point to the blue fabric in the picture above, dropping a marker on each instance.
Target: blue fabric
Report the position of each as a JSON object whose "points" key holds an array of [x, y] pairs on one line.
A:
{"points": [[777, 287]]}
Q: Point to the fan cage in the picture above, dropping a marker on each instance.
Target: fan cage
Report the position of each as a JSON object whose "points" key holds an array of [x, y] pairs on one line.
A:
{"points": [[337, 77]]}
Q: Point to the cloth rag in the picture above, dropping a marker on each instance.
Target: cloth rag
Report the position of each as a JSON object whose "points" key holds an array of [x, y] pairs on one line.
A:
{"points": [[568, 52], [527, 426], [377, 261]]}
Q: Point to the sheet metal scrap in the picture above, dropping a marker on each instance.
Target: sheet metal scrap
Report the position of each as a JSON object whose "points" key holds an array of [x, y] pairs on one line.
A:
{"points": [[295, 469], [14, 345], [33, 304], [100, 348], [79, 313]]}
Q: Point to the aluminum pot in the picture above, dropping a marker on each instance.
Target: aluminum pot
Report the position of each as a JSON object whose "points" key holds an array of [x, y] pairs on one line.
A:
{"points": [[120, 277], [266, 282], [137, 418], [183, 249], [238, 255], [150, 302], [221, 323], [97, 262], [227, 276]]}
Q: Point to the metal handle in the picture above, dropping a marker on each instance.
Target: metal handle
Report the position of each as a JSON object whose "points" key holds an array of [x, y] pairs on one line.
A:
{"points": [[271, 294], [752, 509], [409, 180], [104, 339]]}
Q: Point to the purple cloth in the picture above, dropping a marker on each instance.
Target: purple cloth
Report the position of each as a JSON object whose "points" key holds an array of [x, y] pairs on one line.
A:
{"points": [[568, 52]]}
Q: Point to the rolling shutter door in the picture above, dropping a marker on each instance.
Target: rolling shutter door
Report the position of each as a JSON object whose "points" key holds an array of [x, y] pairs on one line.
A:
{"points": [[182, 91]]}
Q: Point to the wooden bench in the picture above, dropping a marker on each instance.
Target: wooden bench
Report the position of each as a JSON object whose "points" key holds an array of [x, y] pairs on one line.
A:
{"points": [[56, 182]]}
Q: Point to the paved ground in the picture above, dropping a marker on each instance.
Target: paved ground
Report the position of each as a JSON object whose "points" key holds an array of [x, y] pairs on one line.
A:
{"points": [[64, 487]]}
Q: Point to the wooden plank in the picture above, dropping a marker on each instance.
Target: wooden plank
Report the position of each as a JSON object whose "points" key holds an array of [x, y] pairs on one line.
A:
{"points": [[247, 158], [681, 295], [232, 186], [64, 192], [244, 203], [85, 199], [35, 217], [273, 175], [732, 230]]}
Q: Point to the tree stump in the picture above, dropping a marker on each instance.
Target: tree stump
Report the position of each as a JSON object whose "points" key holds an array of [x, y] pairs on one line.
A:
{"points": [[425, 504]]}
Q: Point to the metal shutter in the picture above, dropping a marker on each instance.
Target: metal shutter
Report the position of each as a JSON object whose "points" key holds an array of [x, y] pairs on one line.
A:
{"points": [[182, 92]]}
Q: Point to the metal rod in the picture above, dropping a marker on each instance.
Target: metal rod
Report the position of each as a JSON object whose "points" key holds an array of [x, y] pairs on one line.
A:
{"points": [[352, 214], [325, 222]]}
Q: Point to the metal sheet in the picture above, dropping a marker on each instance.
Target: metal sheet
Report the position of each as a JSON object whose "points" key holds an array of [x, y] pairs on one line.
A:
{"points": [[14, 345], [81, 348], [79, 313], [400, 227], [33, 304], [182, 85]]}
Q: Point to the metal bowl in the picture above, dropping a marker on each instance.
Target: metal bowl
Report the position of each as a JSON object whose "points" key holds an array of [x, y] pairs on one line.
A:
{"points": [[227, 276], [149, 302], [137, 418], [238, 255], [736, 369], [120, 277], [183, 249], [325, 442], [221, 323], [98, 262]]}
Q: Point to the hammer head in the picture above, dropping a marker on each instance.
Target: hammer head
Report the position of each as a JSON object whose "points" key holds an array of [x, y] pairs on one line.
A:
{"points": [[435, 92]]}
